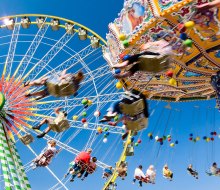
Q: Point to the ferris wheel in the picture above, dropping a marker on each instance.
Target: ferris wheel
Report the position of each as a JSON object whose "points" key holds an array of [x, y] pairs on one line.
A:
{"points": [[38, 46]]}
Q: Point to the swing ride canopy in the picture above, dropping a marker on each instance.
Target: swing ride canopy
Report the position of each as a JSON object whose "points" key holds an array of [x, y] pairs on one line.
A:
{"points": [[192, 66]]}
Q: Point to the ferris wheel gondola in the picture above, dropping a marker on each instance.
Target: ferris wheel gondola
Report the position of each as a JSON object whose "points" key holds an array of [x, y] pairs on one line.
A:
{"points": [[40, 46]]}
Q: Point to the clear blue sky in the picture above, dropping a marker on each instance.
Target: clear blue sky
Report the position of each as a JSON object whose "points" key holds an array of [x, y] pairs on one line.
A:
{"points": [[96, 14]]}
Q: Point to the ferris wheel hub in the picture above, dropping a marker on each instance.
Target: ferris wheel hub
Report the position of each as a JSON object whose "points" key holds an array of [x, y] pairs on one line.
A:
{"points": [[2, 100]]}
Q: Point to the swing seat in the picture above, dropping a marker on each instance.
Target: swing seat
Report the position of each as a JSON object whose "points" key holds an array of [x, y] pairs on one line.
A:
{"points": [[66, 89], [27, 139], [129, 151], [53, 89], [132, 109], [145, 180], [90, 170], [60, 127], [45, 159], [153, 64], [211, 174], [137, 125], [60, 90], [166, 177]]}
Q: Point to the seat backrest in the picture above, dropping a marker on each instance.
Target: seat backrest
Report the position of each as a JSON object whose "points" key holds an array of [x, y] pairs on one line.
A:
{"points": [[66, 89], [133, 109], [27, 139], [129, 151], [53, 89], [137, 125], [61, 126], [153, 64]]}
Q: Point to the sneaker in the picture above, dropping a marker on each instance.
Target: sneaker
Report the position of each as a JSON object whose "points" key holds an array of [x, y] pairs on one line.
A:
{"points": [[27, 95], [36, 127], [41, 135], [26, 83], [82, 178], [104, 120], [112, 123], [111, 115], [71, 180]]}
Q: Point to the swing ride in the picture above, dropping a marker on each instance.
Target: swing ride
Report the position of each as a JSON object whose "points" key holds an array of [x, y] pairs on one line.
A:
{"points": [[194, 39], [43, 70]]}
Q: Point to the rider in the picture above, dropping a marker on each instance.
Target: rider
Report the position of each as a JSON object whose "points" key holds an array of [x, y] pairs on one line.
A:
{"points": [[107, 172], [157, 48], [139, 175], [214, 169], [114, 108], [81, 161], [89, 170], [64, 77], [45, 158], [192, 171], [60, 116], [167, 173], [151, 173], [122, 170]]}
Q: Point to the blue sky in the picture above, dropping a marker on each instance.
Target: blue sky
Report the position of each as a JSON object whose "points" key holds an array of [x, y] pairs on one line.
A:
{"points": [[96, 14]]}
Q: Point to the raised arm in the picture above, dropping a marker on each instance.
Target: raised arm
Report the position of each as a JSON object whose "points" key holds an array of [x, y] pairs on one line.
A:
{"points": [[57, 110]]}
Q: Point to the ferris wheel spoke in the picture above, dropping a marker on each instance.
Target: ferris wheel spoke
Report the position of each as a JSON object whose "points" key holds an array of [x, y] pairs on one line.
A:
{"points": [[73, 60], [103, 98], [11, 51], [98, 73], [21, 69], [38, 67]]}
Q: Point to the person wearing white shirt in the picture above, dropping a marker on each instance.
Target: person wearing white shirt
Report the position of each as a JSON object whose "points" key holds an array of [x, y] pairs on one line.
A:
{"points": [[214, 169], [139, 174], [151, 173]]}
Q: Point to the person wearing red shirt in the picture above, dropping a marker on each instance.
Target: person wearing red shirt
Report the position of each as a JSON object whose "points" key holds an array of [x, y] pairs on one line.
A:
{"points": [[81, 161], [89, 170]]}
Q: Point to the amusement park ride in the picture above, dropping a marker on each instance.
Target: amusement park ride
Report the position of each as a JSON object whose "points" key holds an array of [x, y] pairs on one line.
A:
{"points": [[192, 74]]}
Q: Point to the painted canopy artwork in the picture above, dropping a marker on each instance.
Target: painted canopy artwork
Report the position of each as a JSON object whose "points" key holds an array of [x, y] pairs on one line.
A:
{"points": [[141, 21]]}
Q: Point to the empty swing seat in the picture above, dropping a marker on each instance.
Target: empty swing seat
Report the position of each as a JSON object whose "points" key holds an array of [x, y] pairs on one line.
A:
{"points": [[137, 125], [153, 63], [129, 151], [59, 127], [27, 139], [132, 109]]}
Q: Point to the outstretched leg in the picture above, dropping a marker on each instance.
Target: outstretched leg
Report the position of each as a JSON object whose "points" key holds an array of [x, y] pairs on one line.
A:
{"points": [[121, 65], [37, 82], [123, 75], [41, 94], [47, 130], [41, 123]]}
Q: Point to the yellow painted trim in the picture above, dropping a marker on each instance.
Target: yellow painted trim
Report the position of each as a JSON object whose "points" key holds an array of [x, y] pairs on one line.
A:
{"points": [[122, 158]]}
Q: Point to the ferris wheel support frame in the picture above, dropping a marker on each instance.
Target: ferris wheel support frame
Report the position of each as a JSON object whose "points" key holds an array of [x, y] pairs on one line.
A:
{"points": [[29, 54]]}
